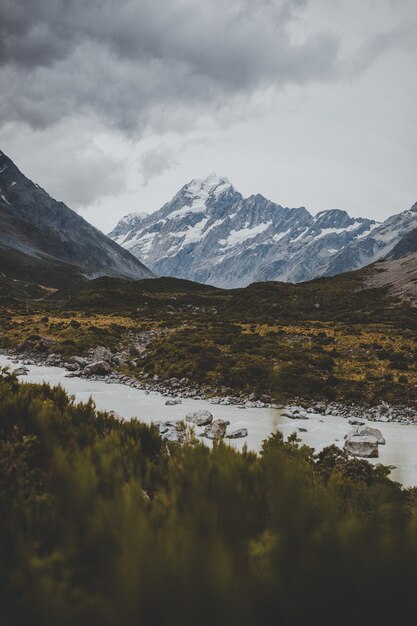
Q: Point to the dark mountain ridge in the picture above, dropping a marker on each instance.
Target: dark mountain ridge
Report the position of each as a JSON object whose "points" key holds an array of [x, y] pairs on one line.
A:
{"points": [[53, 237]]}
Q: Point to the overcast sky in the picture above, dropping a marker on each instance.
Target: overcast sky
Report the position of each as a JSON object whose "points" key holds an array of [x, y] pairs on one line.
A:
{"points": [[112, 106]]}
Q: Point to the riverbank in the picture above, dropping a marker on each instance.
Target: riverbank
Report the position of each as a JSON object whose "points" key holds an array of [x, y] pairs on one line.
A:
{"points": [[317, 430], [98, 366]]}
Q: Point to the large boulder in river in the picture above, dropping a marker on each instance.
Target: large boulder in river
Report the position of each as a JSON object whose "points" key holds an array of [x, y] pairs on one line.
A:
{"points": [[100, 368], [372, 432], [21, 371], [363, 446], [217, 429], [200, 418], [367, 431]]}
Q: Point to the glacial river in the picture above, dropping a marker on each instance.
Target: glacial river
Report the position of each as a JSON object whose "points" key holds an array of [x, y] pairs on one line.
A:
{"points": [[401, 440]]}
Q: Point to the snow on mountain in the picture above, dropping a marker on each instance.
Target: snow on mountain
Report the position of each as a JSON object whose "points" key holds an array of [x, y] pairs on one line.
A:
{"points": [[209, 233]]}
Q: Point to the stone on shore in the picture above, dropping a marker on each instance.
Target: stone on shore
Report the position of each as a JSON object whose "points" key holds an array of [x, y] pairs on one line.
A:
{"points": [[101, 354], [80, 361], [99, 367]]}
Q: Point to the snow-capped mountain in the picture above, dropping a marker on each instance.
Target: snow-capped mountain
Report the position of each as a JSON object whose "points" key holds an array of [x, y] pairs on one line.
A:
{"points": [[209, 233], [44, 241]]}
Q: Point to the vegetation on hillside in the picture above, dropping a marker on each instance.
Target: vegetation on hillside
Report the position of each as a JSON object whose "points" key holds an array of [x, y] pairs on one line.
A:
{"points": [[310, 359], [101, 523]]}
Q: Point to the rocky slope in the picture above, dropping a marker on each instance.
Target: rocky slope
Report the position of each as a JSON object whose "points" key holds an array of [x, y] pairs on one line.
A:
{"points": [[399, 275], [209, 233], [42, 240]]}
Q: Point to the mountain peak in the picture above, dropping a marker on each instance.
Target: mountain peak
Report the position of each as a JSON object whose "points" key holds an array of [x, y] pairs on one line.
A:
{"points": [[212, 184]]}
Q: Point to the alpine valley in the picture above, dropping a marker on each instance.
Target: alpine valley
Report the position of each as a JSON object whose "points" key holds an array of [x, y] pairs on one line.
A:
{"points": [[211, 234], [213, 449]]}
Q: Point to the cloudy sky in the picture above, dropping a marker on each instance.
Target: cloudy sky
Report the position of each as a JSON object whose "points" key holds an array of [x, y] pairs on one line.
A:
{"points": [[113, 105]]}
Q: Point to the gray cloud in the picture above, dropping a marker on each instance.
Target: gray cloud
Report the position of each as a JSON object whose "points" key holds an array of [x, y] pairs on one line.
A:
{"points": [[135, 63], [157, 161], [68, 162]]}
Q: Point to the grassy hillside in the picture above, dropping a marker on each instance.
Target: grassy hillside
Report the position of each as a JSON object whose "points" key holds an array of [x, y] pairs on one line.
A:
{"points": [[328, 339]]}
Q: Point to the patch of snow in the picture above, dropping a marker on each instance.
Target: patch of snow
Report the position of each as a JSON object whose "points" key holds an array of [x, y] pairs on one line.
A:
{"points": [[337, 231], [193, 233], [133, 217], [145, 243], [213, 225], [197, 206], [368, 231], [238, 236], [212, 184], [4, 199], [280, 236], [3, 169]]}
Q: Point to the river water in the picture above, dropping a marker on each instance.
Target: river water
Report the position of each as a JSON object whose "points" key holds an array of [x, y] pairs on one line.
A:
{"points": [[401, 440]]}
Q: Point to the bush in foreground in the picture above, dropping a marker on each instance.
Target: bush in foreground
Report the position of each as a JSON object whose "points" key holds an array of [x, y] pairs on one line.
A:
{"points": [[100, 523]]}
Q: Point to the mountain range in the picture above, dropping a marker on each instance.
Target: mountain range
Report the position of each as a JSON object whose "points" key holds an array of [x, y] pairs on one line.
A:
{"points": [[211, 234], [43, 241]]}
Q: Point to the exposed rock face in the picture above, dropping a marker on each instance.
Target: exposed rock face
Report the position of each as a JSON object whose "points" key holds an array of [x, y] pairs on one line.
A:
{"points": [[99, 368], [42, 240], [378, 244], [398, 275], [200, 418], [101, 354], [209, 233], [217, 429], [363, 446]]}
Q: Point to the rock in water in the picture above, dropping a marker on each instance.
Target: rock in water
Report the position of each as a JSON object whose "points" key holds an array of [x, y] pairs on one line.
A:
{"points": [[372, 432], [217, 429], [363, 446], [366, 431], [200, 418], [173, 402], [237, 434], [21, 371], [175, 432]]}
